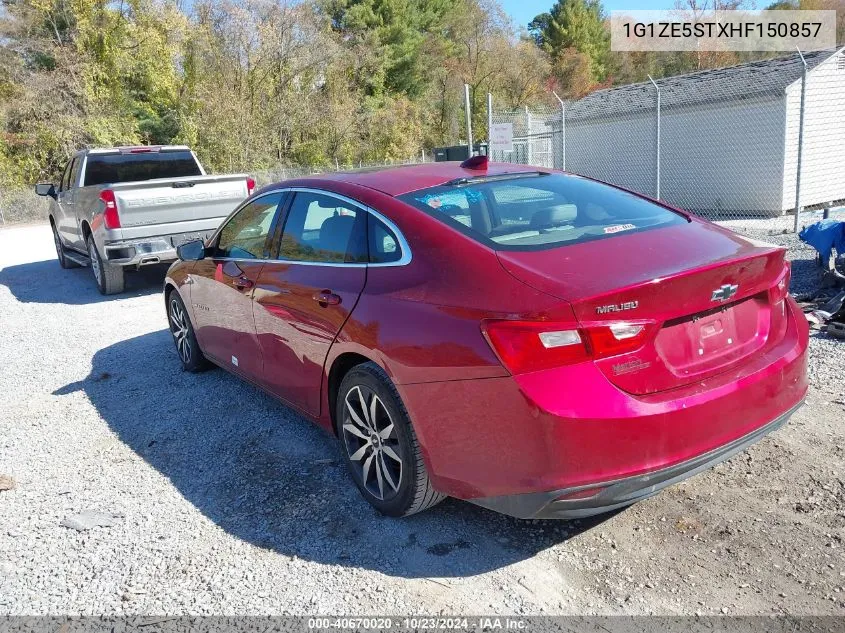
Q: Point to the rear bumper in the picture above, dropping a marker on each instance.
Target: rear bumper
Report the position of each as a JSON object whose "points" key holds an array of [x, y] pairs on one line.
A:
{"points": [[530, 439], [149, 250], [584, 501]]}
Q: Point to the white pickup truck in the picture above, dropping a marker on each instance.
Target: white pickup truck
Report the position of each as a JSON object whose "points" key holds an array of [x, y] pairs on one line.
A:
{"points": [[128, 207]]}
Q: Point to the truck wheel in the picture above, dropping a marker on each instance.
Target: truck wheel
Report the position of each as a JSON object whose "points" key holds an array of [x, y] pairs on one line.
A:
{"points": [[382, 450], [110, 280], [64, 262]]}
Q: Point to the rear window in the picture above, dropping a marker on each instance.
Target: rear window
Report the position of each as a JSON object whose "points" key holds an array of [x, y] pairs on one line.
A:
{"points": [[540, 211], [111, 169]]}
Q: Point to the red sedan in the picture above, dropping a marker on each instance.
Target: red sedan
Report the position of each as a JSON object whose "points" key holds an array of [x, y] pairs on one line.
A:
{"points": [[537, 343]]}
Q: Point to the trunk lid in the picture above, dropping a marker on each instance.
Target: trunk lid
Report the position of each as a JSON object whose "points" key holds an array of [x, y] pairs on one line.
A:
{"points": [[707, 297]]}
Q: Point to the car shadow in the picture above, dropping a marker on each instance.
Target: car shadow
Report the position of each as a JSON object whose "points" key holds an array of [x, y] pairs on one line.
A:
{"points": [[268, 476], [47, 282]]}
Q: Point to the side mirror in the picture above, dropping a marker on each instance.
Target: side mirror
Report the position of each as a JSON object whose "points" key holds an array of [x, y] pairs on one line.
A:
{"points": [[192, 251], [45, 189]]}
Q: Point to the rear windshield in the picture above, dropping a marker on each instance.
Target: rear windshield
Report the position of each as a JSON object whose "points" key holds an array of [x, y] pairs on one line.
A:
{"points": [[540, 211], [111, 169]]}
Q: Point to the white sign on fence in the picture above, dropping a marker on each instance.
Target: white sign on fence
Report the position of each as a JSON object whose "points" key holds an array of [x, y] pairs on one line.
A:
{"points": [[501, 137]]}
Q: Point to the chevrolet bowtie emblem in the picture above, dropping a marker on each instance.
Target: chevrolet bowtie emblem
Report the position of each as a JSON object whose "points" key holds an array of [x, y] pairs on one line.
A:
{"points": [[724, 293]]}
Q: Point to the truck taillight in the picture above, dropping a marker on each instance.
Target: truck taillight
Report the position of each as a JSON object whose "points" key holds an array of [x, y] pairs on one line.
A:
{"points": [[250, 186], [525, 346], [110, 216]]}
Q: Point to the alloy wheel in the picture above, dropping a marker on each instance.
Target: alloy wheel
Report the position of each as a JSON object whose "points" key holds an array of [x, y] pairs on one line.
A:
{"points": [[371, 442], [180, 329]]}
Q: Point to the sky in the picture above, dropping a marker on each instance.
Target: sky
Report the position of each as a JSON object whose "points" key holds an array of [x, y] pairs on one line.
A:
{"points": [[523, 11]]}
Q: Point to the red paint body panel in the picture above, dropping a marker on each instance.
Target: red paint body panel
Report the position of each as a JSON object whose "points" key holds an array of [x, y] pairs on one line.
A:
{"points": [[570, 426], [671, 273], [294, 331], [703, 377], [222, 314], [394, 181]]}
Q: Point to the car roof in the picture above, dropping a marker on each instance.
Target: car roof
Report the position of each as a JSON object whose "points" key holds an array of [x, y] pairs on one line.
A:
{"points": [[401, 179]]}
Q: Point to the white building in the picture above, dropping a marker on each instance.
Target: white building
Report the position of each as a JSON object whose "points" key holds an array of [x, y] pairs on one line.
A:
{"points": [[729, 137]]}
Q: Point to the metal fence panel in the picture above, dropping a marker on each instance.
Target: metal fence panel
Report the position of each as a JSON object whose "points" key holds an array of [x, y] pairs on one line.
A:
{"points": [[725, 144]]}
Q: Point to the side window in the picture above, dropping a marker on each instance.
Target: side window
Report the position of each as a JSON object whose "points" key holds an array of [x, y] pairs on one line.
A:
{"points": [[74, 171], [63, 185], [383, 244], [322, 228], [245, 234]]}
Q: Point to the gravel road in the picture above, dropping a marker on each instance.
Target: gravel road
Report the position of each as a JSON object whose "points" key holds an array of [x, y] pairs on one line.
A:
{"points": [[210, 497]]}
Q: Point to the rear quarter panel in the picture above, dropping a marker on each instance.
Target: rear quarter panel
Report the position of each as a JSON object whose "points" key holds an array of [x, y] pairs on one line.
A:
{"points": [[421, 321]]}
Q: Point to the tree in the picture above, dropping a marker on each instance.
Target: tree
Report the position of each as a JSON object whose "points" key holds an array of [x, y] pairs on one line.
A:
{"points": [[399, 30], [253, 84], [578, 25], [523, 77]]}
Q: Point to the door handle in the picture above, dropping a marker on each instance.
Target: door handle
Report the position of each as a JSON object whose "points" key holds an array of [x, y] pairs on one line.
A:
{"points": [[242, 283], [326, 298]]}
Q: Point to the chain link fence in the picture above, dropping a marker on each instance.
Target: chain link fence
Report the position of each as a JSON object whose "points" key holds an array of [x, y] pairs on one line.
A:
{"points": [[745, 146]]}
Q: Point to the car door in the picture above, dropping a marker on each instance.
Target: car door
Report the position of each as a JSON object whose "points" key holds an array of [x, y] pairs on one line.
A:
{"points": [[66, 218], [303, 297], [222, 285], [71, 203]]}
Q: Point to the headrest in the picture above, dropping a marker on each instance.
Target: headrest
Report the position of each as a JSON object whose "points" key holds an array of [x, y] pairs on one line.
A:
{"points": [[335, 232], [553, 216]]}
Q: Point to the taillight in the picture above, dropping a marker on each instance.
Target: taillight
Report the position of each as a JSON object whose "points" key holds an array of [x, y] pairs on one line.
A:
{"points": [[250, 186], [612, 339], [110, 216], [781, 289], [525, 346]]}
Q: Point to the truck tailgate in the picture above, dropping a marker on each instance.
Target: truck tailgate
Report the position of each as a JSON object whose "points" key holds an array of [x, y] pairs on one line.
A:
{"points": [[141, 205]]}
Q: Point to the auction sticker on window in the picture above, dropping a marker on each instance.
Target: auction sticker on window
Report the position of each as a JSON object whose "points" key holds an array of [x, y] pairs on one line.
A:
{"points": [[701, 30], [616, 228]]}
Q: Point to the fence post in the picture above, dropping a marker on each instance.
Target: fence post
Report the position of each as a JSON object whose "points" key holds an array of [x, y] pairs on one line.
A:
{"points": [[562, 132], [656, 142], [469, 118], [528, 159], [800, 142], [489, 124]]}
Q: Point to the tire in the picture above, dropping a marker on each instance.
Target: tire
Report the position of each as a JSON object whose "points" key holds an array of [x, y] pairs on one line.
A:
{"points": [[110, 279], [64, 262], [392, 477], [187, 347]]}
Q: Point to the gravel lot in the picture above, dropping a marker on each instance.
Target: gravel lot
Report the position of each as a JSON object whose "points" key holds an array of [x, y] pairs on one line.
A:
{"points": [[218, 499]]}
